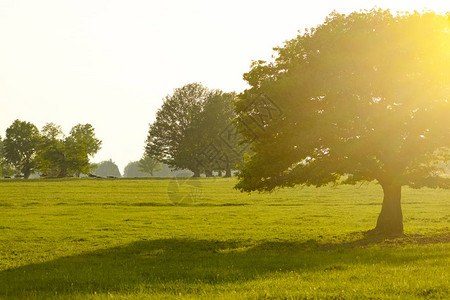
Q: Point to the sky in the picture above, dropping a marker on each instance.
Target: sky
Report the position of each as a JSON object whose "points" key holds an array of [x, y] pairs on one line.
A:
{"points": [[110, 63]]}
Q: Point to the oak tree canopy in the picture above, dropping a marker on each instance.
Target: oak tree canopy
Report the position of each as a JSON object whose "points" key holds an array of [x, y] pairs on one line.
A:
{"points": [[364, 97]]}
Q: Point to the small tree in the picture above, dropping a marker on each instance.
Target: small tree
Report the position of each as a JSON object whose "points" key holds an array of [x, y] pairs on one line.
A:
{"points": [[364, 96], [148, 165], [131, 170], [20, 146], [107, 168]]}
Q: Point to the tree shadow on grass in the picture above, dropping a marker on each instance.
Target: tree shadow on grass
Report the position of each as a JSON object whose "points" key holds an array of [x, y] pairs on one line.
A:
{"points": [[370, 238], [151, 204], [162, 265]]}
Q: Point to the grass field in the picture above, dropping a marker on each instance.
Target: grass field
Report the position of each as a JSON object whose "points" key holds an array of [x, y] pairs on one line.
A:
{"points": [[163, 238]]}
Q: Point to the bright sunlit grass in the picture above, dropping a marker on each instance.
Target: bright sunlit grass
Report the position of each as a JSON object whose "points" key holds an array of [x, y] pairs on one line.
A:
{"points": [[125, 238]]}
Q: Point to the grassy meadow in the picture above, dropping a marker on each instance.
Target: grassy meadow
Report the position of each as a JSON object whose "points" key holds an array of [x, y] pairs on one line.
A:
{"points": [[168, 238]]}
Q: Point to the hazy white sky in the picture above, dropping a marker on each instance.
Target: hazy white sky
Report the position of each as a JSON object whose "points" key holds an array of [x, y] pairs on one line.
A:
{"points": [[110, 63]]}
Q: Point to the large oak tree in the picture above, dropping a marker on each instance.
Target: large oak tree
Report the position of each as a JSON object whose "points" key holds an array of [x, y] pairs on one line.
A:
{"points": [[364, 97]]}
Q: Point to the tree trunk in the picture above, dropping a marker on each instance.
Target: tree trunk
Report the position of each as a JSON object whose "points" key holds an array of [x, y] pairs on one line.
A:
{"points": [[228, 172], [26, 174], [219, 173], [62, 173], [196, 173], [208, 173], [390, 220]]}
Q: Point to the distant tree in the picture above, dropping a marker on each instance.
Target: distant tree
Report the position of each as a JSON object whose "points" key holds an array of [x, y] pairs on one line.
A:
{"points": [[8, 170], [81, 145], [215, 126], [107, 168], [188, 126], [168, 139], [51, 158], [131, 170], [148, 165], [60, 156], [20, 146], [364, 96], [166, 171]]}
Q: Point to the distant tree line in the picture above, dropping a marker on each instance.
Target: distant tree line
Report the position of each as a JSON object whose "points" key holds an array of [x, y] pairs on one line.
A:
{"points": [[194, 130], [26, 150], [145, 167], [134, 169]]}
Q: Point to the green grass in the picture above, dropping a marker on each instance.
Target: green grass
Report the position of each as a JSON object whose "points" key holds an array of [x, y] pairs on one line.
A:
{"points": [[104, 239]]}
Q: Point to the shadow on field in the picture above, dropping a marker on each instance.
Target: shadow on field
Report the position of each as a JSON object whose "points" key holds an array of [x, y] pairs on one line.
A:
{"points": [[151, 204], [168, 264]]}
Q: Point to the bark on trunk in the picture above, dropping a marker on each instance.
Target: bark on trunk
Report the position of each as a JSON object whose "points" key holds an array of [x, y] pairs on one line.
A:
{"points": [[62, 173], [196, 173], [390, 220], [208, 173], [228, 173], [26, 174]]}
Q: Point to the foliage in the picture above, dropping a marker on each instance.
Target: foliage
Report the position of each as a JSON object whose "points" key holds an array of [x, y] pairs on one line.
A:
{"points": [[364, 97], [60, 156], [189, 122], [148, 165], [81, 145], [215, 126], [167, 139], [6, 169], [107, 168], [1, 156], [97, 239], [166, 171], [131, 170], [51, 151], [20, 146]]}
